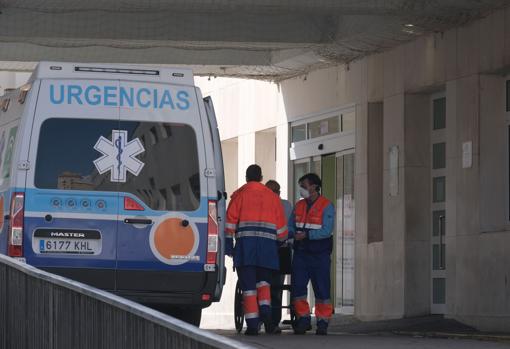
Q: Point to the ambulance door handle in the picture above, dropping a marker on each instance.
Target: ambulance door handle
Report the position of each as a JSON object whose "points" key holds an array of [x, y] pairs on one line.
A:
{"points": [[137, 221]]}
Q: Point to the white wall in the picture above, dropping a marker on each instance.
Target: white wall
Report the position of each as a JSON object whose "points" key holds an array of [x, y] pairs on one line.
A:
{"points": [[12, 80], [251, 117], [245, 107]]}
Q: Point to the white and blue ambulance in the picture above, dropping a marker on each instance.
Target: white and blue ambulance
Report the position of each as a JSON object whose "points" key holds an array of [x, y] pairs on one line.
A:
{"points": [[112, 175]]}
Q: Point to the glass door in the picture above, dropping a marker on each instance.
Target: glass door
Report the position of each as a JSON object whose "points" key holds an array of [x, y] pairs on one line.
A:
{"points": [[438, 204], [345, 233], [337, 174]]}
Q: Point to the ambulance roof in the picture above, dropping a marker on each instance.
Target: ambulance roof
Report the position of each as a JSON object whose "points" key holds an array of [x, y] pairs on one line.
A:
{"points": [[112, 71]]}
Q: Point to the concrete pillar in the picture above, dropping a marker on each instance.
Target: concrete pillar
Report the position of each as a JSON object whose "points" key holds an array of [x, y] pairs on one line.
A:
{"points": [[246, 155], [467, 250], [390, 256], [282, 159], [265, 152], [368, 195], [7, 80], [417, 179]]}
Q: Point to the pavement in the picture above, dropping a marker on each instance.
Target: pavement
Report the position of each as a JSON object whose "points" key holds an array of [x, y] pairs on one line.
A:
{"points": [[346, 333]]}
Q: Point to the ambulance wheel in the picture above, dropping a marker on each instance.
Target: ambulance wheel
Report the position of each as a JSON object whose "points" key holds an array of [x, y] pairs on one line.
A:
{"points": [[192, 316], [238, 308]]}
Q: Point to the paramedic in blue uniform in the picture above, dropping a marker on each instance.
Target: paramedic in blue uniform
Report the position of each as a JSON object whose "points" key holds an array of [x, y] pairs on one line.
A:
{"points": [[285, 257], [311, 225], [256, 219]]}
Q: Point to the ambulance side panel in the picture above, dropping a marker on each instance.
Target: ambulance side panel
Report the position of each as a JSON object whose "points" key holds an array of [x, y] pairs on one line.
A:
{"points": [[15, 124]]}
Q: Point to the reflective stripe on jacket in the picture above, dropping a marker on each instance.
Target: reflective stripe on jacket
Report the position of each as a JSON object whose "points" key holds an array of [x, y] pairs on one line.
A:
{"points": [[309, 219], [256, 219]]}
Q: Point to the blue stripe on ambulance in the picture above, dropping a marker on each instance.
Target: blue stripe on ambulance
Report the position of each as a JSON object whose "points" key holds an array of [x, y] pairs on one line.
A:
{"points": [[73, 214]]}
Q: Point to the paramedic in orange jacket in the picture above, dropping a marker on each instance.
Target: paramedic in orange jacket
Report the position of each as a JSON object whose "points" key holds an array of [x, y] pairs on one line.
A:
{"points": [[311, 225], [256, 219]]}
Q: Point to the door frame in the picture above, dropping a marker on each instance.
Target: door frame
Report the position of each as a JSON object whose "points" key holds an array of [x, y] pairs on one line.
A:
{"points": [[437, 136]]}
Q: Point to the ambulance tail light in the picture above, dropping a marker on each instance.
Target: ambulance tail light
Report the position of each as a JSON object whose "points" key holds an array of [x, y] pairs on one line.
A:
{"points": [[15, 240], [212, 233]]}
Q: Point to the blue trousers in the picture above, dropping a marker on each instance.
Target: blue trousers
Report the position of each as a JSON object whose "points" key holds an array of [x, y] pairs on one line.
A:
{"points": [[308, 267], [255, 283]]}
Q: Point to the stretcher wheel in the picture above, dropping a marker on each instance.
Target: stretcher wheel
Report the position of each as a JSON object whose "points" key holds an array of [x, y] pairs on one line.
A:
{"points": [[238, 308], [292, 317]]}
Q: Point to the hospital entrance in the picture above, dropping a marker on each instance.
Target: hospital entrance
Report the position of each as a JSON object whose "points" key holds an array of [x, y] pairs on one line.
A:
{"points": [[324, 144]]}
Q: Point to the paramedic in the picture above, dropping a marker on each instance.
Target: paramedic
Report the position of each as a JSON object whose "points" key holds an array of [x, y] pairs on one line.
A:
{"points": [[256, 219], [284, 254], [312, 225]]}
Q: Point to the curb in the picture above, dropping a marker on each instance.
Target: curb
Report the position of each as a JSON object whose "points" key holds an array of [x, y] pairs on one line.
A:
{"points": [[477, 336]]}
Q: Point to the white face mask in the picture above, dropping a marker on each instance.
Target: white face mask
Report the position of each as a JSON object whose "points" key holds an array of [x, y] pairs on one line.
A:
{"points": [[305, 194]]}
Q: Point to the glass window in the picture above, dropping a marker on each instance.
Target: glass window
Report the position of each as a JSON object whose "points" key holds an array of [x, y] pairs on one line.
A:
{"points": [[348, 122], [439, 155], [435, 222], [323, 127], [439, 290], [439, 189], [438, 255], [316, 167], [298, 133], [439, 111], [7, 141], [164, 185], [299, 171]]}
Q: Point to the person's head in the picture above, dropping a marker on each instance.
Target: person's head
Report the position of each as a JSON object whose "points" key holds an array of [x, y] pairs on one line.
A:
{"points": [[253, 173], [309, 185], [274, 186]]}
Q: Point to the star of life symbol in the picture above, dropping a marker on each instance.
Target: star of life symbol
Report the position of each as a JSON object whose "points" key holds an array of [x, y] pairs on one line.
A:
{"points": [[119, 156]]}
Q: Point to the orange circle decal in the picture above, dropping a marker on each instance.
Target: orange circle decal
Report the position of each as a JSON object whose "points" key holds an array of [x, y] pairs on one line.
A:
{"points": [[173, 242], [172, 239]]}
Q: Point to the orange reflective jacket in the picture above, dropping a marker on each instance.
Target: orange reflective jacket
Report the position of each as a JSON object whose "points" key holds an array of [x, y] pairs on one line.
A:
{"points": [[311, 218], [256, 219]]}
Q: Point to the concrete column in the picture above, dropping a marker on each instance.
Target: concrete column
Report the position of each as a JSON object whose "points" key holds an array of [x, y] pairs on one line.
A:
{"points": [[265, 152], [494, 259], [466, 256], [282, 159], [417, 155], [390, 255], [368, 195], [7, 80], [246, 155]]}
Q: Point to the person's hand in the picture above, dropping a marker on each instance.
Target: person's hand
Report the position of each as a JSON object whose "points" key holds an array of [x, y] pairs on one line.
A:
{"points": [[229, 247], [299, 236]]}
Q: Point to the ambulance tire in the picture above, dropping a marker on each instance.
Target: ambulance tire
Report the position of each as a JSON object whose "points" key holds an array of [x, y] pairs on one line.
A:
{"points": [[192, 316]]}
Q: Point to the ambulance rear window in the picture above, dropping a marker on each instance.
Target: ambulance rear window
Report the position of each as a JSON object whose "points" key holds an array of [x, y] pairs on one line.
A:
{"points": [[156, 162]]}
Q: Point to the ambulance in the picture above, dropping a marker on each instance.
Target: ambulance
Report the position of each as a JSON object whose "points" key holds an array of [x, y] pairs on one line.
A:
{"points": [[112, 175]]}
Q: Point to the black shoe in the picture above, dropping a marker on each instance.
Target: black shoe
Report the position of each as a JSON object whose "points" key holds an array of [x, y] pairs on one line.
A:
{"points": [[277, 330], [299, 331], [268, 324], [251, 331], [302, 325], [321, 331]]}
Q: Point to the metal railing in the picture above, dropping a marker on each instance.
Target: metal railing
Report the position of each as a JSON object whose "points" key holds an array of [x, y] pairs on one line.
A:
{"points": [[42, 310]]}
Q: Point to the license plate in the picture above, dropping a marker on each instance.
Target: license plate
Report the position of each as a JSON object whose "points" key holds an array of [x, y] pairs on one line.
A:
{"points": [[65, 241]]}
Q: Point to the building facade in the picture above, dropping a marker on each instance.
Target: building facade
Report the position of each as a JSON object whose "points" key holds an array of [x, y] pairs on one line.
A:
{"points": [[413, 148], [413, 145]]}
